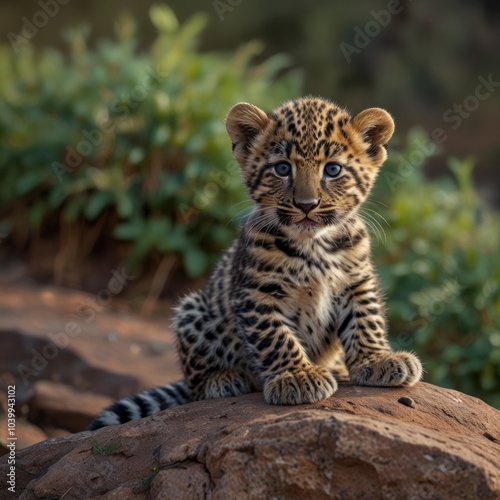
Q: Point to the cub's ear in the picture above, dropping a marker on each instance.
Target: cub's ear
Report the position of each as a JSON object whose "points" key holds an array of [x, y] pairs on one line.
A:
{"points": [[376, 127], [243, 123]]}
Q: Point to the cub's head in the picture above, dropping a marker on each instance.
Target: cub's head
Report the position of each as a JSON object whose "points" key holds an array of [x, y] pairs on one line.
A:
{"points": [[308, 163]]}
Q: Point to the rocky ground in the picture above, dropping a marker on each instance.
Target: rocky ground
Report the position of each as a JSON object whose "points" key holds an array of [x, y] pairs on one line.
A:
{"points": [[68, 358], [423, 442]]}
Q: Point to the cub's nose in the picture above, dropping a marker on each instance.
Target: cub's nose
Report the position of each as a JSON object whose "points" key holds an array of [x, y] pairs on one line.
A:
{"points": [[306, 206]]}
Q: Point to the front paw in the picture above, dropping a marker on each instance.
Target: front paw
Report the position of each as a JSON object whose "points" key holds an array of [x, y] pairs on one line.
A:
{"points": [[389, 369], [224, 384], [300, 386]]}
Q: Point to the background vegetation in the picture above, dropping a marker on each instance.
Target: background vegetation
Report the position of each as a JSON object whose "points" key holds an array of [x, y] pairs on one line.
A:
{"points": [[112, 142], [437, 251], [118, 152]]}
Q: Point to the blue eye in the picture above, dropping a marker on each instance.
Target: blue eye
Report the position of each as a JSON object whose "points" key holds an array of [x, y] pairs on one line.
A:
{"points": [[333, 170], [283, 169]]}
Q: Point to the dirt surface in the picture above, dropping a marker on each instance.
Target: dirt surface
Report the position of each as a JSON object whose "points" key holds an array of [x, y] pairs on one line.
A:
{"points": [[71, 339], [113, 337]]}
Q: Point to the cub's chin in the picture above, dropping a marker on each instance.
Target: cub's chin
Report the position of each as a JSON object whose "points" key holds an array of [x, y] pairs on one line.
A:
{"points": [[305, 228]]}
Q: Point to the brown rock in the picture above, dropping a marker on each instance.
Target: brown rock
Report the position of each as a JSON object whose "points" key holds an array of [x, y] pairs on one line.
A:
{"points": [[77, 364], [53, 432], [25, 432], [59, 405], [361, 443], [178, 483]]}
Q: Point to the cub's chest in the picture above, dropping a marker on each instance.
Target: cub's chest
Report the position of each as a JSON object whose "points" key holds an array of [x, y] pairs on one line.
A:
{"points": [[313, 301], [310, 301]]}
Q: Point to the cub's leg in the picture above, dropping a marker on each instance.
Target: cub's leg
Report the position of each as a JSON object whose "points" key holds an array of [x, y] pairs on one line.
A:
{"points": [[210, 352], [279, 361], [368, 355], [337, 366]]}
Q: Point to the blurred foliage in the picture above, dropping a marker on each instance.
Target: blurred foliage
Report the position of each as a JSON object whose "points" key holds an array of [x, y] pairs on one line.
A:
{"points": [[137, 140], [139, 136], [438, 255]]}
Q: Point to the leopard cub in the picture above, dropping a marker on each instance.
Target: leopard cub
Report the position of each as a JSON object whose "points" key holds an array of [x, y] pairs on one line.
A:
{"points": [[294, 304]]}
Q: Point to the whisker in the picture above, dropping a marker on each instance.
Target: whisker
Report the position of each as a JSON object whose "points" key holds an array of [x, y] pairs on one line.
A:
{"points": [[246, 200], [378, 214], [373, 229], [260, 220], [374, 225], [245, 212], [370, 200]]}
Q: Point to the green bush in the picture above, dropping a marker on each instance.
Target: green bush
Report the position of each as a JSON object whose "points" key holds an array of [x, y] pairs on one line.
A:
{"points": [[135, 138], [439, 264]]}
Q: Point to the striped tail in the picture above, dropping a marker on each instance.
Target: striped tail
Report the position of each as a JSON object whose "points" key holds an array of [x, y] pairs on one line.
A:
{"points": [[143, 405]]}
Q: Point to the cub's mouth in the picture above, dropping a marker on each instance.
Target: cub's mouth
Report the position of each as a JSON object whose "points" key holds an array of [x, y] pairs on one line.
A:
{"points": [[306, 222]]}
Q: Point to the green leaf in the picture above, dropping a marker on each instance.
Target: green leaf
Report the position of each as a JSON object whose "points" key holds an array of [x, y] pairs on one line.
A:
{"points": [[164, 19], [136, 155], [131, 230], [196, 261], [37, 212], [96, 202], [124, 206], [74, 209], [29, 182]]}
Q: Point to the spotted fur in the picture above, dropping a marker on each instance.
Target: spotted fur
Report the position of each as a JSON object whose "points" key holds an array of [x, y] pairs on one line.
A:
{"points": [[296, 298]]}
